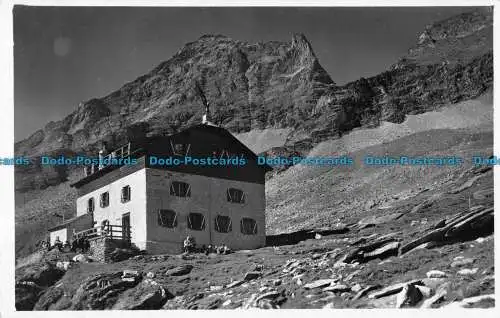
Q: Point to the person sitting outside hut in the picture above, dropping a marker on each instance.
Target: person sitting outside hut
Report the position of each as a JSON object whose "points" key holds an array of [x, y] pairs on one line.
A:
{"points": [[86, 244], [226, 249], [105, 228], [189, 244], [210, 249], [58, 244], [67, 246], [74, 245]]}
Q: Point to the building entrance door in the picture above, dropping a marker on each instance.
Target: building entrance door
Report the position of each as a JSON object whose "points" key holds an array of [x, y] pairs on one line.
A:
{"points": [[126, 226]]}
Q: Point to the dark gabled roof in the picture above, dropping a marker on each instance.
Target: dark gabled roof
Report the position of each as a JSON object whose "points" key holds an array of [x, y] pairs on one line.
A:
{"points": [[209, 128], [150, 145]]}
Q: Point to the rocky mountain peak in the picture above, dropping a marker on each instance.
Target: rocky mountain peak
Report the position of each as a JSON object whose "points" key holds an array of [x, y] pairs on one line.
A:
{"points": [[300, 42], [211, 37]]}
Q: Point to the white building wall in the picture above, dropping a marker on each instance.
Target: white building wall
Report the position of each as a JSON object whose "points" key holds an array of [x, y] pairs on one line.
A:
{"points": [[208, 196], [116, 209], [62, 234]]}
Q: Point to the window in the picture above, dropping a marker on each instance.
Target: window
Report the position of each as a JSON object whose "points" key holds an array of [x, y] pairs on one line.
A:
{"points": [[223, 224], [125, 194], [248, 226], [167, 218], [90, 205], [180, 189], [180, 149], [235, 196], [196, 221], [104, 199]]}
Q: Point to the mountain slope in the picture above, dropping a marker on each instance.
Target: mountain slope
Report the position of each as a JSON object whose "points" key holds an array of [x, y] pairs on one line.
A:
{"points": [[307, 196]]}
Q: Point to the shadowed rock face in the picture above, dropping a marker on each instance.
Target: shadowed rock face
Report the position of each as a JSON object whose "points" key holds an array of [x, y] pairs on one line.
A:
{"points": [[273, 84]]}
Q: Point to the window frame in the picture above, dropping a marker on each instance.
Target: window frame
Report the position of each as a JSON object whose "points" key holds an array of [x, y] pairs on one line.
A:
{"points": [[89, 200], [230, 198], [217, 227], [255, 228], [101, 201], [180, 149], [124, 199], [203, 224], [159, 219], [174, 193]]}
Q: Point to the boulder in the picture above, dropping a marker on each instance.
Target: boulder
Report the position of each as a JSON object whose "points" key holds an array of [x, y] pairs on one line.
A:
{"points": [[269, 300], [131, 276], [251, 276], [319, 283], [81, 258], [435, 274], [179, 270], [268, 295], [381, 247], [467, 272], [390, 249], [63, 265], [410, 295], [460, 227], [337, 288], [364, 239], [364, 291], [393, 289], [462, 262], [426, 291], [235, 283], [146, 295], [216, 288], [435, 283], [356, 288], [434, 300]]}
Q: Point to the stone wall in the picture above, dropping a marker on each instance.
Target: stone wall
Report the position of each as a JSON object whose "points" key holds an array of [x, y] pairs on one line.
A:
{"points": [[102, 247]]}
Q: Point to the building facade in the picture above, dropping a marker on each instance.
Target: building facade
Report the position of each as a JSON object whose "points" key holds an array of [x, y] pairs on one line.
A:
{"points": [[64, 231], [161, 205]]}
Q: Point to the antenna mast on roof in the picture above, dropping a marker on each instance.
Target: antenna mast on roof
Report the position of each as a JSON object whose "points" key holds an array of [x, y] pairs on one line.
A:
{"points": [[206, 115]]}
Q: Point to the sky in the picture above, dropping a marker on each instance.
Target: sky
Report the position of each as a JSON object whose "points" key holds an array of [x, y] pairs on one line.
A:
{"points": [[66, 55]]}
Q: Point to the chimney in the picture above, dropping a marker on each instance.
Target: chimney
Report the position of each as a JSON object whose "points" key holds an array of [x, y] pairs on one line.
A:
{"points": [[101, 158], [206, 116]]}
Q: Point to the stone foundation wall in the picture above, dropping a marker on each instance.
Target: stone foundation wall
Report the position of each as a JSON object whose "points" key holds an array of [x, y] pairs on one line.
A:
{"points": [[102, 247]]}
